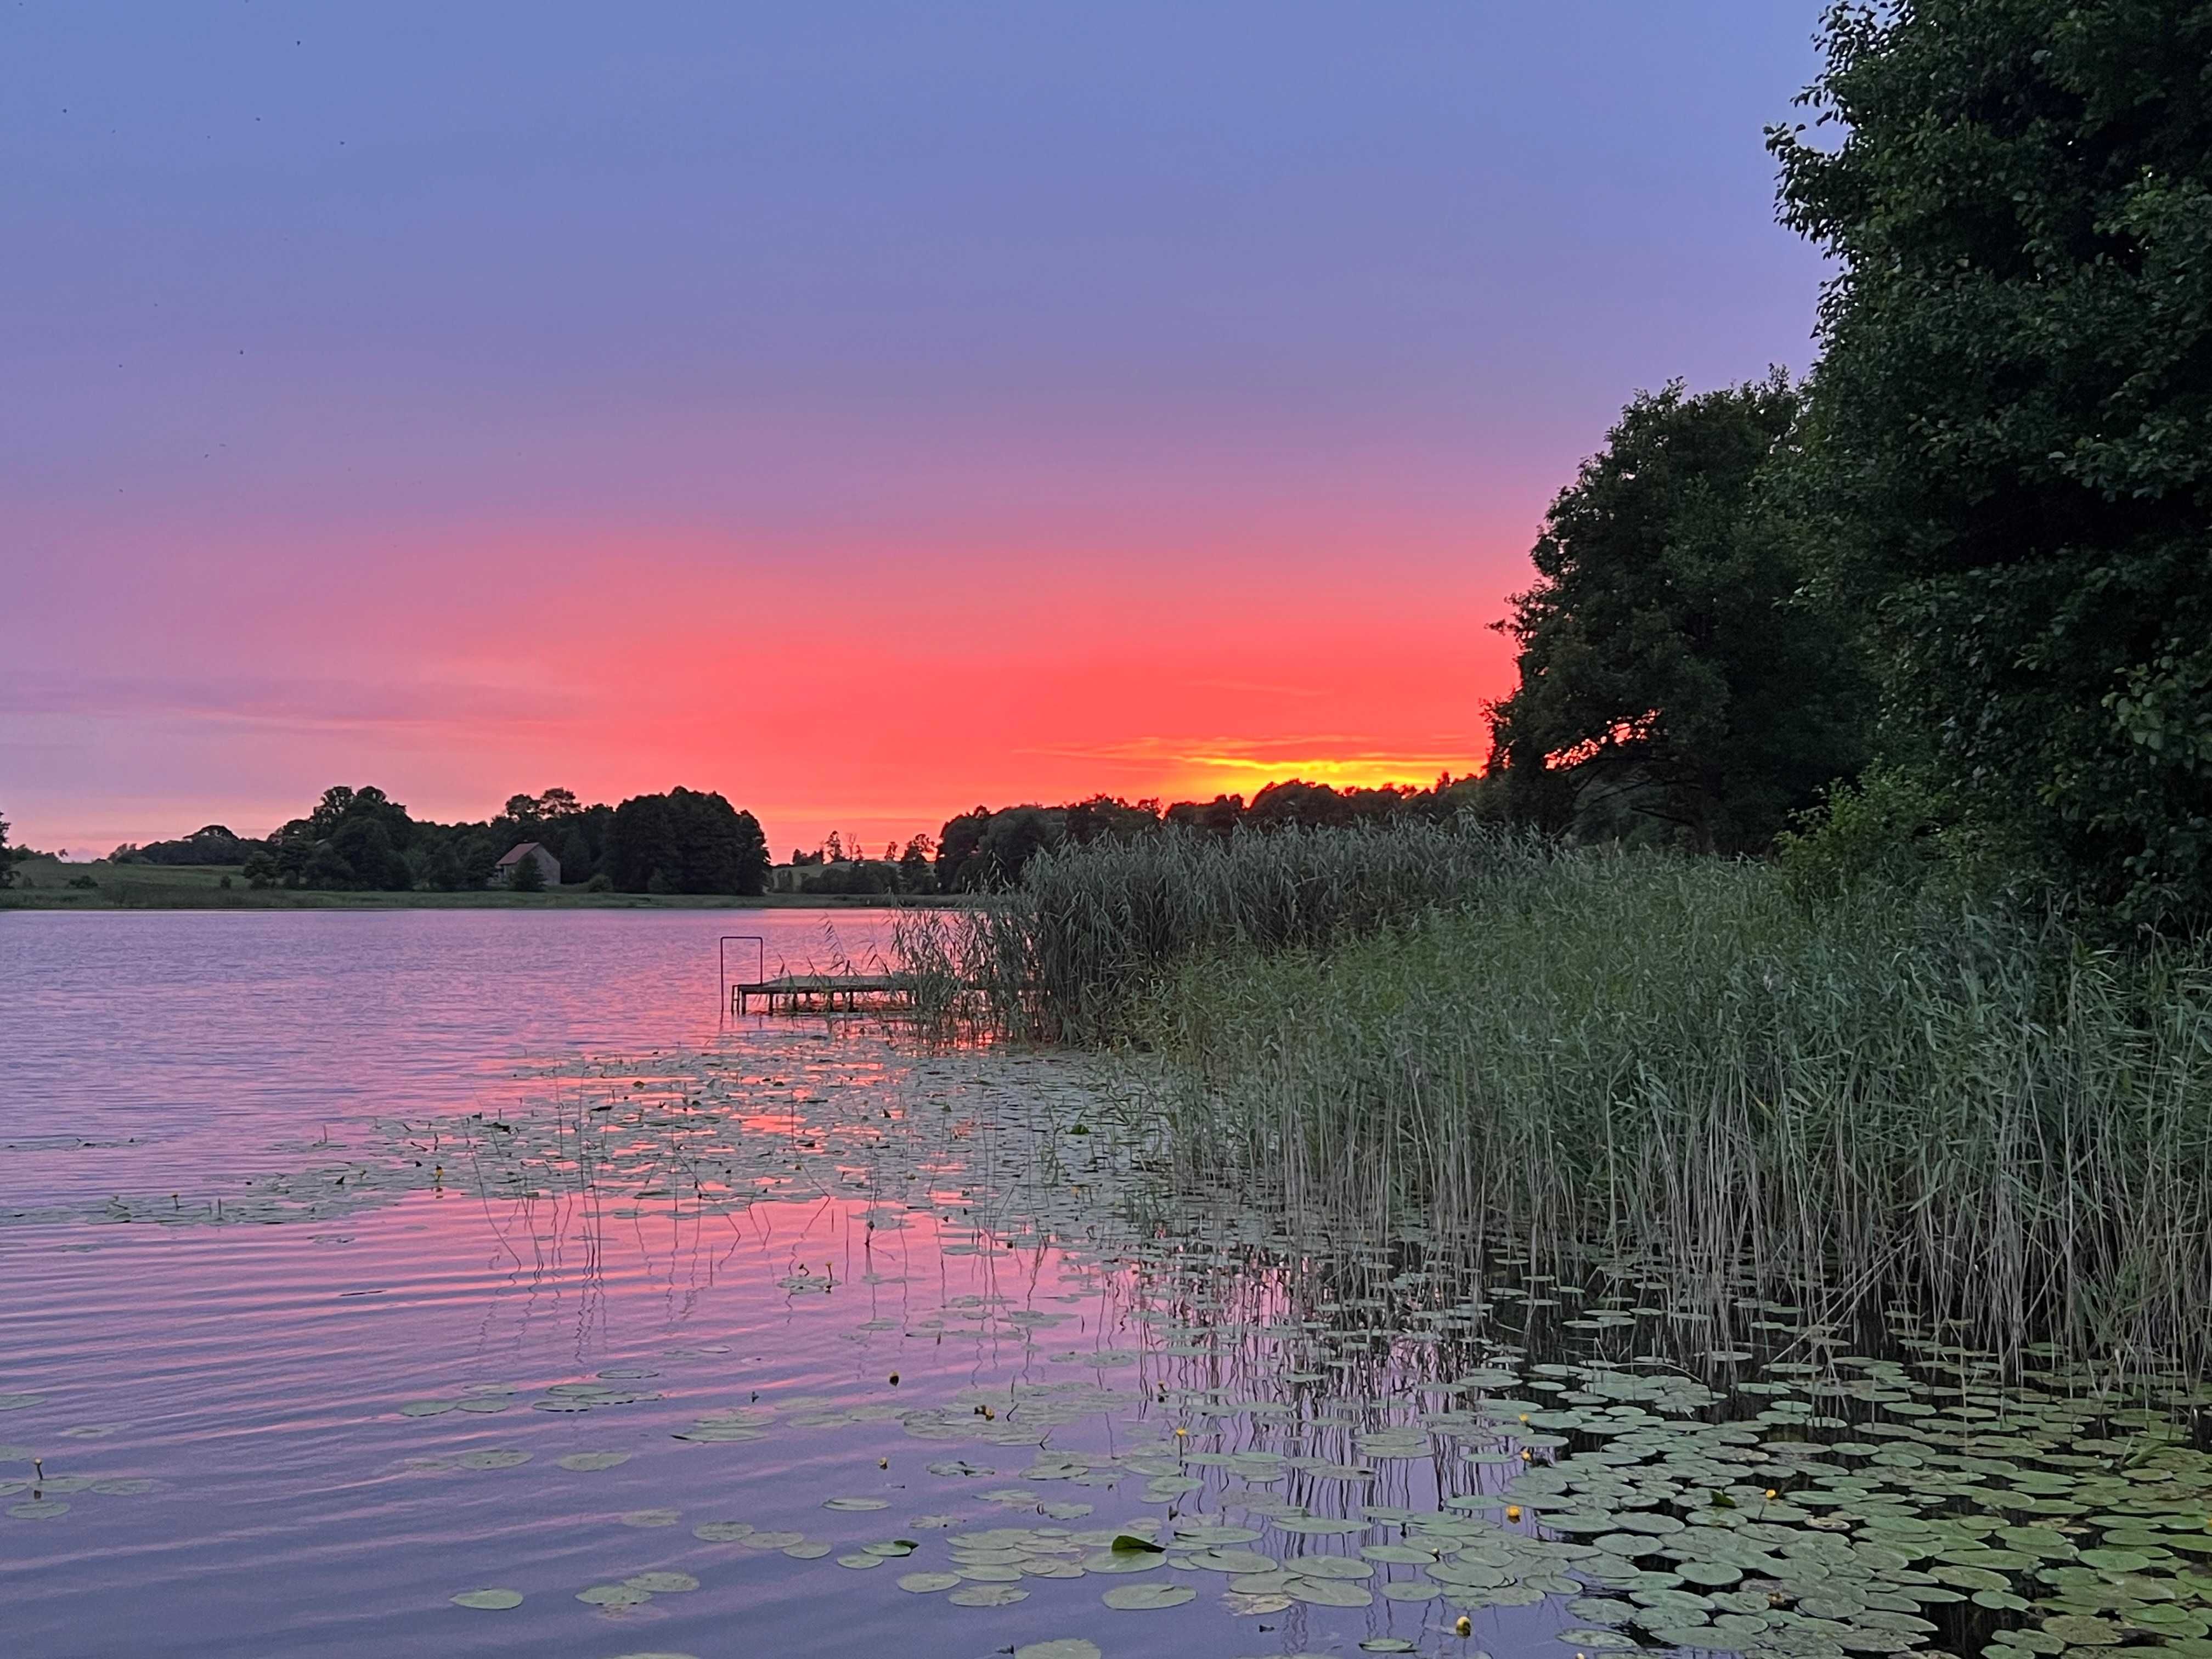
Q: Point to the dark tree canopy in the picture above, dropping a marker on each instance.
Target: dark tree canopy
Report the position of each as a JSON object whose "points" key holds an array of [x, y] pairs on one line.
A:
{"points": [[213, 843], [2013, 412], [354, 839], [1667, 669], [685, 842]]}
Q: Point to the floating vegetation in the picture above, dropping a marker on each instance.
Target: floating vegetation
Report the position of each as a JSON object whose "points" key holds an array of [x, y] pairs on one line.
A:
{"points": [[1330, 1418], [491, 1601]]}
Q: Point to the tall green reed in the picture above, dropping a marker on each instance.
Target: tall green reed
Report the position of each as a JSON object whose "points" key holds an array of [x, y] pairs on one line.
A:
{"points": [[1071, 953], [1648, 1061]]}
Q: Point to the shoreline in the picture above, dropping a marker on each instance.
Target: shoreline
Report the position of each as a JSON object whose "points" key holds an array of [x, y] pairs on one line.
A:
{"points": [[125, 896]]}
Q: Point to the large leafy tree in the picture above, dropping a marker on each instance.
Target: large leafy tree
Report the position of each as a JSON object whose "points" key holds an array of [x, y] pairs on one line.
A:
{"points": [[2015, 411], [1672, 680], [685, 842], [353, 839]]}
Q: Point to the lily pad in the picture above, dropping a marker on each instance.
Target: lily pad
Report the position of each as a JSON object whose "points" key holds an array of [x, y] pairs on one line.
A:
{"points": [[987, 1596], [587, 1461], [491, 1600], [1137, 1598], [661, 1583], [614, 1595]]}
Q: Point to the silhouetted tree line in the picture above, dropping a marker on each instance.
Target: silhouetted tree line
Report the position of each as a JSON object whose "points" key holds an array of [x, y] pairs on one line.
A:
{"points": [[363, 841], [984, 849]]}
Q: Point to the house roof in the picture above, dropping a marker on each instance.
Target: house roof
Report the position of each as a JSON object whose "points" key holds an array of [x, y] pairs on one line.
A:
{"points": [[522, 850]]}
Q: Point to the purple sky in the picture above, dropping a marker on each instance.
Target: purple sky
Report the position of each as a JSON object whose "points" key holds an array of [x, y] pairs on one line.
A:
{"points": [[866, 410]]}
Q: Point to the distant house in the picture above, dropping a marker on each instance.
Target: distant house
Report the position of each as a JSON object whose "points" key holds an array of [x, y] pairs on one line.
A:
{"points": [[502, 873]]}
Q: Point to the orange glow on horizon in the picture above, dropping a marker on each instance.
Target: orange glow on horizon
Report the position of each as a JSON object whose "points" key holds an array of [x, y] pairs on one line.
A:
{"points": [[877, 704]]}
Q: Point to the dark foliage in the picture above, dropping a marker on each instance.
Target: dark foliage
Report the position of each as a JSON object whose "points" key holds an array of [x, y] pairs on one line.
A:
{"points": [[1672, 678], [2012, 415], [685, 842], [212, 844], [986, 851]]}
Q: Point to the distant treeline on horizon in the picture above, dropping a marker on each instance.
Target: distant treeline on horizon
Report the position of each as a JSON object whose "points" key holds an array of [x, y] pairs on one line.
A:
{"points": [[690, 841], [363, 841]]}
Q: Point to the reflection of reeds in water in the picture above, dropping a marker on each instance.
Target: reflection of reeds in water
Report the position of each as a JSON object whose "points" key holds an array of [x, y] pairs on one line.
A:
{"points": [[1636, 1058]]}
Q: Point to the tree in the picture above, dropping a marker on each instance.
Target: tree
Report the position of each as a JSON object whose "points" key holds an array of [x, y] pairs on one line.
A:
{"points": [[7, 860], [354, 839], [212, 843], [1671, 677], [692, 842], [1107, 816], [2014, 414], [916, 873], [959, 852], [1219, 817]]}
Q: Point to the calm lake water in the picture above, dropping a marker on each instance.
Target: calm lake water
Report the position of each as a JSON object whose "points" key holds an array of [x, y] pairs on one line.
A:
{"points": [[310, 1287], [351, 1264]]}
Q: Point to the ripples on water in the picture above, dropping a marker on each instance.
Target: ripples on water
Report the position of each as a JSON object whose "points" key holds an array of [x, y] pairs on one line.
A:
{"points": [[352, 1263]]}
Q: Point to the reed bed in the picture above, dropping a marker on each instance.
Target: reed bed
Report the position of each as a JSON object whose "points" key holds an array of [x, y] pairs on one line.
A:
{"points": [[1659, 1064], [1078, 948]]}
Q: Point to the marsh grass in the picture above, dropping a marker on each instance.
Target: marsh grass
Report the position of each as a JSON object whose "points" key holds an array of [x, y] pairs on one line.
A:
{"points": [[1660, 1066], [1078, 950]]}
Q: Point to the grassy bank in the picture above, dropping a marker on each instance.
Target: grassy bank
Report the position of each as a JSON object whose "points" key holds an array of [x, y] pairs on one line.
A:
{"points": [[1660, 1066], [47, 884]]}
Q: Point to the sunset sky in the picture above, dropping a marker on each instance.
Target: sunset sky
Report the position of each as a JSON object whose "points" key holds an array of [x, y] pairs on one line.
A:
{"points": [[866, 410]]}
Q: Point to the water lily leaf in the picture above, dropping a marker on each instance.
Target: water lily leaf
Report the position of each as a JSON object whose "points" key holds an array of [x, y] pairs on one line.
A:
{"points": [[1329, 1593], [987, 1596], [492, 1600], [1060, 1647], [2082, 1630], [661, 1583], [1327, 1566], [922, 1584], [614, 1595], [1130, 1598], [1231, 1561], [583, 1461]]}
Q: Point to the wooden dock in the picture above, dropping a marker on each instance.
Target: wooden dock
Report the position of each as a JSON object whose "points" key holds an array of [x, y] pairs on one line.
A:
{"points": [[821, 993]]}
